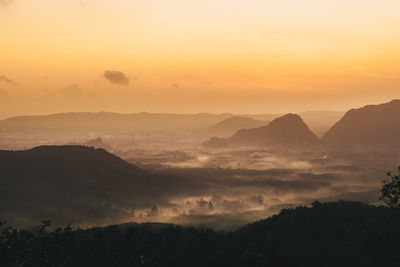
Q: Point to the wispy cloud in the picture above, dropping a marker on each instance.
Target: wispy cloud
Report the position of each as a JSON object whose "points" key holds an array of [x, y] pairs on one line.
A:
{"points": [[116, 77], [5, 79]]}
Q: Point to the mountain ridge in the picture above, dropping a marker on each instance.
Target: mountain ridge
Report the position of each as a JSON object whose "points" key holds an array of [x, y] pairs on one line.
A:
{"points": [[288, 130], [79, 183], [368, 125]]}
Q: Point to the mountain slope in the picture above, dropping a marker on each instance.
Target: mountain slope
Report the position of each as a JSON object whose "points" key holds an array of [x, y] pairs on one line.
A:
{"points": [[288, 130], [369, 125], [78, 183], [329, 234]]}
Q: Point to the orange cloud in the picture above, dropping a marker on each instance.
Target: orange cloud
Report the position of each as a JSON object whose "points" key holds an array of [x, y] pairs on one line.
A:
{"points": [[4, 79], [116, 77]]}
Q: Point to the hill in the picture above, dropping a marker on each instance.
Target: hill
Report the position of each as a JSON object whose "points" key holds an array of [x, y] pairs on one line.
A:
{"points": [[369, 125], [288, 130], [329, 234], [347, 234], [231, 125], [78, 183]]}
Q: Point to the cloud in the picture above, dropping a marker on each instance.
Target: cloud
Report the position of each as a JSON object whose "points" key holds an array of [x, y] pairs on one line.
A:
{"points": [[6, 2], [5, 79], [116, 77]]}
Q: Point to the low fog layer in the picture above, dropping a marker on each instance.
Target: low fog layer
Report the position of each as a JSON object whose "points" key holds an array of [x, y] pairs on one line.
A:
{"points": [[115, 168], [222, 189]]}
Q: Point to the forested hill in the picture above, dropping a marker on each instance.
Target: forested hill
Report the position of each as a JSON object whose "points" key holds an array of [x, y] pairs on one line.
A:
{"points": [[330, 234], [80, 184]]}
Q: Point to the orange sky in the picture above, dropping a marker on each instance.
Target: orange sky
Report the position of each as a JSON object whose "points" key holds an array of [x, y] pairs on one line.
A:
{"points": [[188, 56]]}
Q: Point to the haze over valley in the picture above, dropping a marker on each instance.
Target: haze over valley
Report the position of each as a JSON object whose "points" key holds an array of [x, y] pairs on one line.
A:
{"points": [[171, 167]]}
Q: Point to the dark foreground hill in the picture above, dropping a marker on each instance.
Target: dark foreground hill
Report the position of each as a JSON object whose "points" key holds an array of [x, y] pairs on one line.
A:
{"points": [[369, 125], [78, 184], [331, 234]]}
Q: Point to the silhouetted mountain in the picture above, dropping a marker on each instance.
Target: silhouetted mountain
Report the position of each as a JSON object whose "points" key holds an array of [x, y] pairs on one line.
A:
{"points": [[77, 183], [288, 130], [370, 125], [231, 125]]}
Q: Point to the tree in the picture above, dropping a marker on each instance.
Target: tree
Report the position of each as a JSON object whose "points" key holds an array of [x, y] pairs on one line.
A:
{"points": [[390, 191]]}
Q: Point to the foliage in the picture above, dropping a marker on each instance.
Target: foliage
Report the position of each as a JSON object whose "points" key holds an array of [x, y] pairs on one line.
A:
{"points": [[325, 234], [390, 191]]}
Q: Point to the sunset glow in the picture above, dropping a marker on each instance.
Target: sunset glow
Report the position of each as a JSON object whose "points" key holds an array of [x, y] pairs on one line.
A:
{"points": [[190, 56]]}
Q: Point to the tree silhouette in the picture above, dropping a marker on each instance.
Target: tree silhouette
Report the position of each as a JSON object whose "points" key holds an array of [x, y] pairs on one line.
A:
{"points": [[390, 191]]}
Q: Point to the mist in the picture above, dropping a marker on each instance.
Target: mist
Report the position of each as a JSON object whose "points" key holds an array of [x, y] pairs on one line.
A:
{"points": [[191, 183]]}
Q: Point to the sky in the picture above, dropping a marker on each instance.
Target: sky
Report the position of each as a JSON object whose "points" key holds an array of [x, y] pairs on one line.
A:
{"points": [[189, 56]]}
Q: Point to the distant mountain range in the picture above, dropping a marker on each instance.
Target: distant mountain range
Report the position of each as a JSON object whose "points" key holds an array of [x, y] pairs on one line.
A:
{"points": [[368, 126], [79, 184], [116, 121], [319, 121]]}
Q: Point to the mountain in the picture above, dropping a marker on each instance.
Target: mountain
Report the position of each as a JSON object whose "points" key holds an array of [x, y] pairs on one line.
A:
{"points": [[370, 125], [112, 121], [78, 183], [231, 125], [288, 130]]}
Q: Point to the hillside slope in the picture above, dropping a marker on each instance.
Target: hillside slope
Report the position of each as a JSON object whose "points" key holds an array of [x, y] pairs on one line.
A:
{"points": [[369, 125], [78, 183], [329, 234], [288, 130]]}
